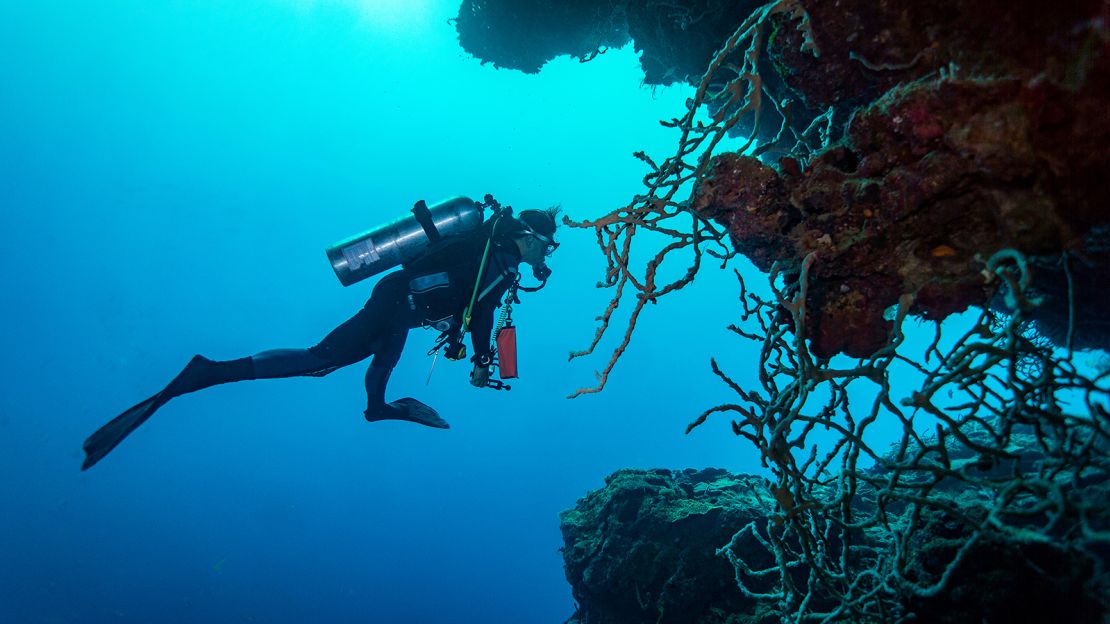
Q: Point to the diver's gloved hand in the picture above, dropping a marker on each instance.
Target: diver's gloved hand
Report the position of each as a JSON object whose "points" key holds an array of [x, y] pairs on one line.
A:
{"points": [[479, 377]]}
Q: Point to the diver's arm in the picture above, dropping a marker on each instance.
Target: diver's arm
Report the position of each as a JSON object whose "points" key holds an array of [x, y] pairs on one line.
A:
{"points": [[481, 326], [501, 273]]}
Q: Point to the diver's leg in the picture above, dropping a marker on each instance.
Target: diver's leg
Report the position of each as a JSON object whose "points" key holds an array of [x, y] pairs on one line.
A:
{"points": [[278, 363], [357, 337], [387, 352], [350, 342], [202, 372], [377, 376]]}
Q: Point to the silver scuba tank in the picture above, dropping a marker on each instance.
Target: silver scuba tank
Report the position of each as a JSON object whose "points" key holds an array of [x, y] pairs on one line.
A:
{"points": [[387, 246]]}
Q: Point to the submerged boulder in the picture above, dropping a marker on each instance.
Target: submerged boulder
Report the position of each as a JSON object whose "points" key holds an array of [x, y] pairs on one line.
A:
{"points": [[644, 547]]}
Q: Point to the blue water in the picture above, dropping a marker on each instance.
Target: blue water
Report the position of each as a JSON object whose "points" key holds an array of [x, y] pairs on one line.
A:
{"points": [[170, 173]]}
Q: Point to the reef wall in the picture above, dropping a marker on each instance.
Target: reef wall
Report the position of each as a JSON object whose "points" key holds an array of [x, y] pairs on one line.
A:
{"points": [[903, 159], [953, 130]]}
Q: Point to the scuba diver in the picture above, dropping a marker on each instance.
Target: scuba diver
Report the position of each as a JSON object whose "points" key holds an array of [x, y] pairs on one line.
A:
{"points": [[456, 267]]}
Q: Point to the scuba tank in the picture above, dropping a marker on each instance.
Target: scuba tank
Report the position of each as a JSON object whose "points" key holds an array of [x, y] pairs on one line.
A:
{"points": [[387, 246]]}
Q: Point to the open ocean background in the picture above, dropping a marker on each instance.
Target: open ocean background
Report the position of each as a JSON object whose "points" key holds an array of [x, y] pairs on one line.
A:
{"points": [[170, 173]]}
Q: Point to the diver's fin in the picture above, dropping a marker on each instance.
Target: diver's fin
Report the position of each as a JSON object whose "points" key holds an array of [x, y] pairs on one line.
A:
{"points": [[417, 412], [111, 434]]}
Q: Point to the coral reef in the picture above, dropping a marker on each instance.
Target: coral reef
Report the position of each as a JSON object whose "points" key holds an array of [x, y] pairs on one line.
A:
{"points": [[991, 137], [910, 142], [654, 546], [930, 181], [897, 159]]}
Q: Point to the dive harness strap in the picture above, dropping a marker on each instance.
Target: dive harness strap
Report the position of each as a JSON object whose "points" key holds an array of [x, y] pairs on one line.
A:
{"points": [[468, 314], [424, 218], [452, 341]]}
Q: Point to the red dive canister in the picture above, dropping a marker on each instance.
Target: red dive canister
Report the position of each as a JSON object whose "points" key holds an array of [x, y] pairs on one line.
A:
{"points": [[506, 352]]}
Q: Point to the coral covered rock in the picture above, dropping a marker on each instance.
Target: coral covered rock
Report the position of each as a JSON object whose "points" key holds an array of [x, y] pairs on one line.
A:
{"points": [[643, 548], [929, 181]]}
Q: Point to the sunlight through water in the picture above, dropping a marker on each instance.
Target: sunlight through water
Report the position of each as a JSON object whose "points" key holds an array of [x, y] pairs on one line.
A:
{"points": [[386, 16]]}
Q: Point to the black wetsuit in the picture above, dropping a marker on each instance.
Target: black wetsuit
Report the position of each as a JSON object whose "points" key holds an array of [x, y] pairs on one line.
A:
{"points": [[432, 291]]}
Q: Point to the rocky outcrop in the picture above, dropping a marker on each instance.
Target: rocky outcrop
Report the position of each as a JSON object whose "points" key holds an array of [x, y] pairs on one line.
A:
{"points": [[643, 548], [675, 40]]}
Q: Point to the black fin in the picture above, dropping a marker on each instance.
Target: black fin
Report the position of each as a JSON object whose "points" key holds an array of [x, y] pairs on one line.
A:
{"points": [[111, 434], [417, 412]]}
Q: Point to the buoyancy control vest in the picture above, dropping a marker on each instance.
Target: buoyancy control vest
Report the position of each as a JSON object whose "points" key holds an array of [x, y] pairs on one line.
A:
{"points": [[442, 279]]}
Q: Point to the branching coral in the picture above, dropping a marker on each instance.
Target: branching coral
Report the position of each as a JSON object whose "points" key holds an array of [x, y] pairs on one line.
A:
{"points": [[1008, 463], [945, 191], [929, 179], [741, 96]]}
